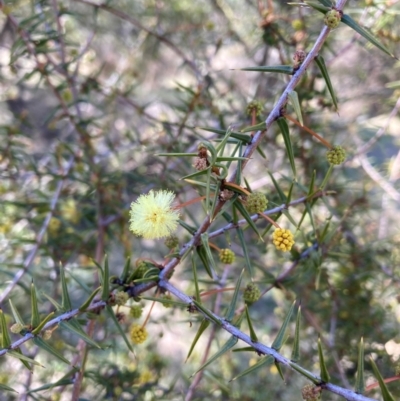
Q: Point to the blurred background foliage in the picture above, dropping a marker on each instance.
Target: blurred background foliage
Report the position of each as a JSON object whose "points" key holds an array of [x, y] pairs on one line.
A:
{"points": [[89, 96]]}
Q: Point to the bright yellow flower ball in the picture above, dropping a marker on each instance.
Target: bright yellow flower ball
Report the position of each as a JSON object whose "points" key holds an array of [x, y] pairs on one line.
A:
{"points": [[152, 215], [138, 334], [283, 239]]}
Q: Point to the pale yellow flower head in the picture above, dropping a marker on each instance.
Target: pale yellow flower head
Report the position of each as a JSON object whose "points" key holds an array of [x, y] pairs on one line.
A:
{"points": [[152, 215]]}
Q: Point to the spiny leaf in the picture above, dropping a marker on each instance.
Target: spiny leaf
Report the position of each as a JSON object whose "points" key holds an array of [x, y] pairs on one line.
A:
{"points": [[238, 205], [281, 336], [35, 319], [385, 391], [203, 257], [203, 326], [324, 71], [237, 135], [119, 328], [253, 334], [258, 127], [296, 345], [284, 69], [195, 279], [317, 6], [243, 244], [281, 194], [5, 337], [74, 327], [7, 388], [17, 316], [283, 125], [87, 303], [126, 270], [346, 19], [324, 371], [360, 381], [264, 361], [232, 306], [279, 369], [40, 326], [206, 312], [105, 294], [47, 347], [65, 300], [210, 258], [17, 353], [294, 99], [305, 373], [222, 350]]}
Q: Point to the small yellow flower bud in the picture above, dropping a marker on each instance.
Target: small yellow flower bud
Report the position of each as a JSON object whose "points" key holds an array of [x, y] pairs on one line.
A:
{"points": [[251, 294], [16, 328], [283, 239], [311, 393], [138, 334], [256, 202], [171, 241], [136, 311], [167, 298], [226, 256], [254, 106], [336, 156], [121, 297], [332, 18]]}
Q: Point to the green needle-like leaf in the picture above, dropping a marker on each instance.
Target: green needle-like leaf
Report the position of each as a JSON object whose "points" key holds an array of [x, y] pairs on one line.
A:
{"points": [[225, 348], [105, 294], [243, 211], [236, 135], [385, 391], [253, 334], [203, 326], [40, 326], [195, 279], [35, 319], [283, 125], [65, 300], [119, 328], [279, 369], [284, 69], [17, 316], [346, 19], [5, 337], [87, 303], [17, 353], [324, 371], [360, 381], [294, 99], [7, 388], [281, 194], [210, 258], [305, 373], [232, 306], [317, 6], [324, 71], [126, 271], [203, 257], [264, 361], [206, 312], [281, 336], [258, 127], [47, 347], [243, 244], [74, 327], [296, 345]]}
